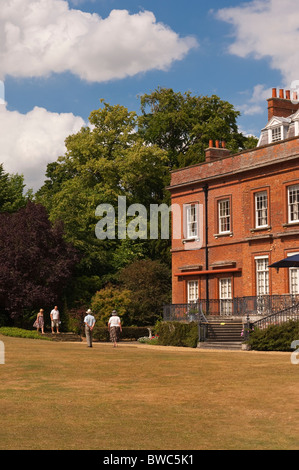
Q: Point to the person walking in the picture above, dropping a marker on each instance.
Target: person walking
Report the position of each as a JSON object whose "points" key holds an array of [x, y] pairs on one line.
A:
{"points": [[39, 322], [114, 327], [89, 322], [55, 319]]}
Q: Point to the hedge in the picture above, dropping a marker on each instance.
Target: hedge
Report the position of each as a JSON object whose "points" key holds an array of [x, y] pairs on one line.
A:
{"points": [[177, 334], [21, 333], [128, 333], [275, 337]]}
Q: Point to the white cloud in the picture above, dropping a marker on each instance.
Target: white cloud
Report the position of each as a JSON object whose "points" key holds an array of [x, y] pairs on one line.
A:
{"points": [[28, 142], [267, 29], [256, 103], [38, 37]]}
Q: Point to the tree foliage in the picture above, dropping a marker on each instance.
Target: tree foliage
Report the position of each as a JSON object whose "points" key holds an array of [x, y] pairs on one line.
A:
{"points": [[103, 161], [183, 124], [11, 192], [36, 263], [108, 299], [150, 283]]}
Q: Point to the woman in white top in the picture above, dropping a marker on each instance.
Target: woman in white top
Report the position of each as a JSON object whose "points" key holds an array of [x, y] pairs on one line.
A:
{"points": [[114, 327]]}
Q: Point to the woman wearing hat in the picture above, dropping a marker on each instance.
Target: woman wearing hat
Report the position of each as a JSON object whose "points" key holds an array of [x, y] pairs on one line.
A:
{"points": [[114, 327]]}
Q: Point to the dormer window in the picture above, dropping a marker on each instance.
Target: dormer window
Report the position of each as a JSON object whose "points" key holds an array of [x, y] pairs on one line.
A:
{"points": [[276, 134], [277, 129]]}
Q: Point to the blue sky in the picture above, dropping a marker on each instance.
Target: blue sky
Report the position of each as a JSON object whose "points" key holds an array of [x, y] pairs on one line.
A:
{"points": [[59, 58]]}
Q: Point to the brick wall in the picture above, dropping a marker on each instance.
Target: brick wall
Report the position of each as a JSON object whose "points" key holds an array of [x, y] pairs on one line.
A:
{"points": [[271, 169]]}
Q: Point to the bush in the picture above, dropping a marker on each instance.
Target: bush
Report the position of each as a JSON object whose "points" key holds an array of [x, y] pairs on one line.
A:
{"points": [[177, 334], [20, 333], [149, 340], [108, 299], [128, 333], [149, 282], [275, 337]]}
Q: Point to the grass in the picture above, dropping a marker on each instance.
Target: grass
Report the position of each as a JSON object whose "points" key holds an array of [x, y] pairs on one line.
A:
{"points": [[140, 397]]}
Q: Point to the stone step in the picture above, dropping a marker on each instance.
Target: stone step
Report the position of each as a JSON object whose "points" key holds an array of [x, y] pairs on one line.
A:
{"points": [[224, 331], [64, 337], [234, 345]]}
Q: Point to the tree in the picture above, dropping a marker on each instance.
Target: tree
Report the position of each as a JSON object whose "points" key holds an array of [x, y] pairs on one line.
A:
{"points": [[108, 299], [11, 192], [35, 261], [182, 124], [102, 162], [150, 284]]}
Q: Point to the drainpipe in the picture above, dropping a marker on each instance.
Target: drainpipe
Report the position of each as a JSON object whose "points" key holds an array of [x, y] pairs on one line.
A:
{"points": [[205, 190]]}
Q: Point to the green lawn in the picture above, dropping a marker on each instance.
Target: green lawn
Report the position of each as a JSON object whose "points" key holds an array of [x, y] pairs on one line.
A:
{"points": [[139, 397]]}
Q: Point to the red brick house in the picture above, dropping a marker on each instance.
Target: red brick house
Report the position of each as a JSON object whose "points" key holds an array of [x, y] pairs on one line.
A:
{"points": [[250, 216]]}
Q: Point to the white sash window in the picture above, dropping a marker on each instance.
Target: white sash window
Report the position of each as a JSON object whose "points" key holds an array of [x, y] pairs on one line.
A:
{"points": [[192, 291], [261, 209], [293, 203]]}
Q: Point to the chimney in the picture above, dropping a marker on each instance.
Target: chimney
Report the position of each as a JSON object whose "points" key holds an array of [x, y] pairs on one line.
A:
{"points": [[217, 151], [282, 106]]}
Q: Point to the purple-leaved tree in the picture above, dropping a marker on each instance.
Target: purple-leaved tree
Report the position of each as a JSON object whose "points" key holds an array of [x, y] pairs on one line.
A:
{"points": [[35, 261]]}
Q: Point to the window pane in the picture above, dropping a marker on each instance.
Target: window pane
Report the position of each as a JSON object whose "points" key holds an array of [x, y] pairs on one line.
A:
{"points": [[293, 203], [294, 285], [191, 221], [192, 291], [225, 288], [224, 215], [262, 276], [276, 134], [261, 209]]}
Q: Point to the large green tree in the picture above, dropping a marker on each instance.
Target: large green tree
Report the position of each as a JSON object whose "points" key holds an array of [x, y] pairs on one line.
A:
{"points": [[103, 161], [183, 124]]}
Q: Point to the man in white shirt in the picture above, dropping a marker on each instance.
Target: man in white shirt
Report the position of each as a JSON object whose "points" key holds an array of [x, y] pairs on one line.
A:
{"points": [[89, 322], [55, 319]]}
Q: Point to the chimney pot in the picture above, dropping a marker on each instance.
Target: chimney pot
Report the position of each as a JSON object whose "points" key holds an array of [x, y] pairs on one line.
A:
{"points": [[211, 143], [217, 144], [223, 144], [285, 105]]}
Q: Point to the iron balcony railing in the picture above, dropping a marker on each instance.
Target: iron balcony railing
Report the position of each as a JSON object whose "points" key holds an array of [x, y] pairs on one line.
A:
{"points": [[289, 313], [239, 306]]}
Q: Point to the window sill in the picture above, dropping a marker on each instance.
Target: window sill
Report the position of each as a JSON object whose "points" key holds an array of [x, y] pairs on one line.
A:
{"points": [[224, 234], [259, 229], [190, 240], [291, 224]]}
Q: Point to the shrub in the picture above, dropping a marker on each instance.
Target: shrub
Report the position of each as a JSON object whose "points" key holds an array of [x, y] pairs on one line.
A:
{"points": [[128, 333], [275, 337], [20, 333], [149, 340], [108, 299], [177, 334], [150, 283]]}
